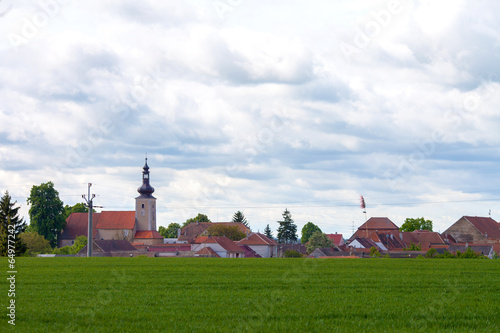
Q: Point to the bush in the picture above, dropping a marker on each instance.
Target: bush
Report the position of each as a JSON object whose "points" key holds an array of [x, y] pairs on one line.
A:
{"points": [[431, 253], [374, 252], [292, 254]]}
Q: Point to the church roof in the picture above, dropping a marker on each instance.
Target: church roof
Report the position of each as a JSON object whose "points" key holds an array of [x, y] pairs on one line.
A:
{"points": [[147, 234], [77, 225], [116, 220]]}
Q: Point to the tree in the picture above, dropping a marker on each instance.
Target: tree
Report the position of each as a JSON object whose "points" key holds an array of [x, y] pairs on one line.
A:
{"points": [[46, 211], [374, 252], [413, 247], [230, 231], [318, 239], [307, 230], [268, 232], [170, 231], [199, 218], [238, 217], [36, 243], [77, 208], [79, 244], [11, 227], [416, 224], [287, 231]]}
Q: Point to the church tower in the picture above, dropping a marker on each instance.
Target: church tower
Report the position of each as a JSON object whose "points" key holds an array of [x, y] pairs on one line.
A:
{"points": [[145, 204]]}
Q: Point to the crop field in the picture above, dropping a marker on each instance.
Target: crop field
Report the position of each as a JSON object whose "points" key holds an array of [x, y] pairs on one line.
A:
{"points": [[254, 295]]}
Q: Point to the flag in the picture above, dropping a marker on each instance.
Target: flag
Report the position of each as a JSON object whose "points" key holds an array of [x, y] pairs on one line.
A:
{"points": [[363, 205]]}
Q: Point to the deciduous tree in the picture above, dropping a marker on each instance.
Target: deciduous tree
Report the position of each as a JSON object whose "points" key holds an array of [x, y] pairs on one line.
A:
{"points": [[198, 218], [76, 208], [35, 243], [307, 230], [46, 211], [416, 224], [170, 231], [318, 239], [287, 231], [230, 231], [11, 227]]}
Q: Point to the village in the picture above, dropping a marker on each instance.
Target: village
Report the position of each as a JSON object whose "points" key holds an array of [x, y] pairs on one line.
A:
{"points": [[134, 233]]}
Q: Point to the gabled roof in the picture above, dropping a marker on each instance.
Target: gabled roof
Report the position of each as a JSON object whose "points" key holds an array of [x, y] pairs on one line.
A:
{"points": [[224, 242], [485, 225], [257, 239], [147, 234], [366, 243], [77, 225], [249, 253], [378, 223], [111, 245], [390, 241], [424, 238], [208, 251], [116, 220], [337, 239]]}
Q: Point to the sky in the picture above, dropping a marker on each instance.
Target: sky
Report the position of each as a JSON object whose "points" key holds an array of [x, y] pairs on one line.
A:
{"points": [[255, 106]]}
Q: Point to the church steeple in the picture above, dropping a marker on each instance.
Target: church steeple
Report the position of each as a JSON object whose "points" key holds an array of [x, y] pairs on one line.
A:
{"points": [[146, 190]]}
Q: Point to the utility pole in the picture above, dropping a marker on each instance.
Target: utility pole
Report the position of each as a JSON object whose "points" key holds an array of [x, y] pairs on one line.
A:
{"points": [[90, 233]]}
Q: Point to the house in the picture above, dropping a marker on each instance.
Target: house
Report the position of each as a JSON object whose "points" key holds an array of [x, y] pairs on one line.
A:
{"points": [[485, 250], [299, 247], [324, 252], [223, 246], [261, 244], [387, 242], [474, 229], [363, 243], [423, 238], [374, 224], [193, 230], [137, 226], [336, 239], [110, 248]]}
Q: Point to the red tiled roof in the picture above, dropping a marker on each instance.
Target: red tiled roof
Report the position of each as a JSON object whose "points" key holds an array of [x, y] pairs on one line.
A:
{"points": [[378, 223], [425, 239], [208, 251], [149, 234], [116, 220], [77, 225], [225, 242], [337, 239], [485, 225], [257, 239]]}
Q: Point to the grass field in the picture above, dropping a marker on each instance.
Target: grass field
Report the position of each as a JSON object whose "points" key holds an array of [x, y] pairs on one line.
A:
{"points": [[255, 295]]}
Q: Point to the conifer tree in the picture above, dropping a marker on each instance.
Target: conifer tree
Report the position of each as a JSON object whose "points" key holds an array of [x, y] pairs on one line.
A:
{"points": [[287, 231], [11, 227]]}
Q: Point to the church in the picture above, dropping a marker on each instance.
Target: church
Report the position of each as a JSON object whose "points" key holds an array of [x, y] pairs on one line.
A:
{"points": [[138, 227]]}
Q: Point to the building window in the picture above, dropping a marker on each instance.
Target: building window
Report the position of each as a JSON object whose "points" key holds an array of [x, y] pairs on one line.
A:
{"points": [[142, 205], [72, 242]]}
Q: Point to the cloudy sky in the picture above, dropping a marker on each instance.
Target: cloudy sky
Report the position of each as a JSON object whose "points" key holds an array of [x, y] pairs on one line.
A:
{"points": [[256, 106]]}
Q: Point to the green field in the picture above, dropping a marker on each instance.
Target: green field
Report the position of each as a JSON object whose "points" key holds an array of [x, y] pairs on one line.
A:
{"points": [[255, 295]]}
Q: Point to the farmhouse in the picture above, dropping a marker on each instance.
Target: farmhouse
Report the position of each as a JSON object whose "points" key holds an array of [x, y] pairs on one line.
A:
{"points": [[137, 226], [374, 224], [222, 246], [474, 229], [262, 245]]}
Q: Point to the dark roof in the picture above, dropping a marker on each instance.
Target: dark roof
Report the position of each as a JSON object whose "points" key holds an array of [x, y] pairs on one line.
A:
{"points": [[111, 245], [425, 239], [249, 253], [116, 220], [366, 243], [77, 225], [390, 241], [485, 225]]}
